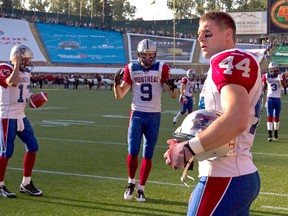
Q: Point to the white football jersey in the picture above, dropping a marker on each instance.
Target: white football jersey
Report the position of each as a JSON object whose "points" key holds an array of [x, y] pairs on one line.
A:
{"points": [[274, 86], [13, 99], [147, 85], [189, 86], [238, 67]]}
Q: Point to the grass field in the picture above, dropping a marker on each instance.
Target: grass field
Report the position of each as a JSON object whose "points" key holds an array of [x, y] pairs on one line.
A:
{"points": [[81, 165]]}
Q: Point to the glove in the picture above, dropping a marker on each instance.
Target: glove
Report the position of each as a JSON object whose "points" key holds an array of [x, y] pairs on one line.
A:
{"points": [[118, 76], [178, 154], [170, 83]]}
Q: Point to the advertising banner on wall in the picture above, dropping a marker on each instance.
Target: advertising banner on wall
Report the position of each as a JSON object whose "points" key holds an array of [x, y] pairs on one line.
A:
{"points": [[15, 32], [256, 49], [250, 22], [66, 44], [278, 16], [182, 51]]}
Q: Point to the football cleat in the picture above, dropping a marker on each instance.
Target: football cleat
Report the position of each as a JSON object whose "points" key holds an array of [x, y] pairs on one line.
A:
{"points": [[270, 139], [4, 192], [129, 192], [140, 196], [174, 121], [30, 189]]}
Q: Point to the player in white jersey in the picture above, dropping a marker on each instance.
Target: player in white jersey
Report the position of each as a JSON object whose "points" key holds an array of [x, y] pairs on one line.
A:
{"points": [[147, 78], [227, 184], [186, 94], [273, 82], [14, 95]]}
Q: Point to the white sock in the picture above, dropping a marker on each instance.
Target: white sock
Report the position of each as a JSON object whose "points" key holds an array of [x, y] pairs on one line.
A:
{"points": [[133, 181], [141, 187], [26, 180]]}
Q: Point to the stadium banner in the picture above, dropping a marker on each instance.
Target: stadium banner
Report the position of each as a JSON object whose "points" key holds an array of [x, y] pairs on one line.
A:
{"points": [[278, 16], [14, 32], [183, 51], [250, 22], [80, 45], [257, 49]]}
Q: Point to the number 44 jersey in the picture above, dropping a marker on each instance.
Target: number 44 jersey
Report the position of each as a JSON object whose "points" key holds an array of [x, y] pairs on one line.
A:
{"points": [[13, 99], [234, 66]]}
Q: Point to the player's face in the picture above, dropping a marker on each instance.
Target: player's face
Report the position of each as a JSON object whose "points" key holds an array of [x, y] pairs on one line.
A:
{"points": [[274, 72], [147, 58], [211, 38], [26, 62]]}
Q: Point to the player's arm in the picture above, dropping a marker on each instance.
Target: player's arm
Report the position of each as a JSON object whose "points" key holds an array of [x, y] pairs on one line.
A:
{"points": [[121, 87], [182, 88], [121, 90], [171, 89], [283, 81], [167, 83], [14, 78], [235, 104]]}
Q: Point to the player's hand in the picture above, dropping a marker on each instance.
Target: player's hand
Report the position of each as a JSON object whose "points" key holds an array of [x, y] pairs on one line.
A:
{"points": [[178, 154], [184, 100], [15, 59], [170, 84], [118, 76]]}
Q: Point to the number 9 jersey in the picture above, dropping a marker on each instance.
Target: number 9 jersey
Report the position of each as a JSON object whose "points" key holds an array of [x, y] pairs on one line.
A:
{"points": [[13, 99]]}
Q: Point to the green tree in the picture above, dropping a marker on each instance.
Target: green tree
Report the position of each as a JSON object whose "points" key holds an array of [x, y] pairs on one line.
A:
{"points": [[186, 8], [122, 10]]}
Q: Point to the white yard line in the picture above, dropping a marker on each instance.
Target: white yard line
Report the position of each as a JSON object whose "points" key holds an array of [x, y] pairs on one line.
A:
{"points": [[122, 179]]}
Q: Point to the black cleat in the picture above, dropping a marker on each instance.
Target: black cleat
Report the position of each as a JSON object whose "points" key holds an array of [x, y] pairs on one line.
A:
{"points": [[4, 192], [30, 189], [129, 192], [140, 196]]}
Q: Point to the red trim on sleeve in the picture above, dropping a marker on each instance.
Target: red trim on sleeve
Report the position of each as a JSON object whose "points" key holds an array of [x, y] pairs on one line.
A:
{"points": [[229, 68]]}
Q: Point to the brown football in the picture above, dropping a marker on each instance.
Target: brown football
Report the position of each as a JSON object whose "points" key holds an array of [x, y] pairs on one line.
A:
{"points": [[38, 99]]}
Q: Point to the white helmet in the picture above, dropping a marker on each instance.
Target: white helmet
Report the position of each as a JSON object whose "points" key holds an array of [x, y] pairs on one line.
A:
{"points": [[25, 54], [194, 124], [190, 73], [146, 46], [273, 69], [273, 65]]}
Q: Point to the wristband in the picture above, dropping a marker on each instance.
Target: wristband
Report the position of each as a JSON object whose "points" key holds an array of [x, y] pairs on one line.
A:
{"points": [[196, 145]]}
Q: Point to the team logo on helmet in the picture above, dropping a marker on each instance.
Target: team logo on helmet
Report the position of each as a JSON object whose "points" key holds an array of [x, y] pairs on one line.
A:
{"points": [[202, 121]]}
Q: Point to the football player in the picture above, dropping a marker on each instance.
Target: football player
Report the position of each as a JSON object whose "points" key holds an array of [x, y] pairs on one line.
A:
{"points": [[227, 184], [147, 78], [14, 95], [273, 82], [186, 94]]}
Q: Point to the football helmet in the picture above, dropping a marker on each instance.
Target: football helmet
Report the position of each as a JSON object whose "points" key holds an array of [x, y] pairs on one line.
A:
{"points": [[273, 69], [25, 54], [194, 124], [146, 52], [190, 73]]}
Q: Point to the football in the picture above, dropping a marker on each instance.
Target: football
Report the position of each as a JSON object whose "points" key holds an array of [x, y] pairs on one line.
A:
{"points": [[38, 99]]}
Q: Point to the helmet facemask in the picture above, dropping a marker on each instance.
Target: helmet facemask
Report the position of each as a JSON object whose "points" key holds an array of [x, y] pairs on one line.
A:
{"points": [[273, 69], [190, 73]]}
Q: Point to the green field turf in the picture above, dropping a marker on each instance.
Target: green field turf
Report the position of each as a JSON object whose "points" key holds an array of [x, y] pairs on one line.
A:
{"points": [[81, 165]]}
